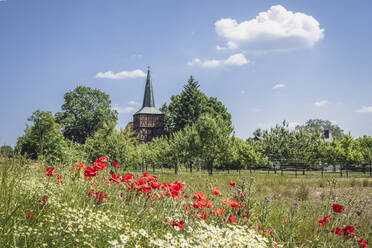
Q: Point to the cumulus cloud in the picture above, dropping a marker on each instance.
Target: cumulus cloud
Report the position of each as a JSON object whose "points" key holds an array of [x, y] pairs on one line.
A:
{"points": [[123, 110], [121, 75], [364, 109], [234, 60], [278, 86], [275, 29], [321, 103]]}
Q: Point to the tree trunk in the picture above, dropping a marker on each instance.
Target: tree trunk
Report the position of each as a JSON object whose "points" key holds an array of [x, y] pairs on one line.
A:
{"points": [[190, 167]]}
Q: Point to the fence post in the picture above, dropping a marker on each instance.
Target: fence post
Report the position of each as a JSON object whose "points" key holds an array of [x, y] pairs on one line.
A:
{"points": [[322, 171]]}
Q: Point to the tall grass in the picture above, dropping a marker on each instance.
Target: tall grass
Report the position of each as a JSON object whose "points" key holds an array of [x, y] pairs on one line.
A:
{"points": [[288, 206]]}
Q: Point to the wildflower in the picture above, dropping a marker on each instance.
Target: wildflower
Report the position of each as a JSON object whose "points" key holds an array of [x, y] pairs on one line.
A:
{"points": [[204, 215], [127, 178], [232, 219], [29, 215], [220, 211], [115, 178], [101, 159], [115, 164], [43, 201], [336, 231], [198, 196], [232, 184], [89, 172], [234, 204], [80, 165], [50, 172], [324, 220], [348, 231], [216, 191], [178, 224], [337, 208], [363, 243], [285, 221]]}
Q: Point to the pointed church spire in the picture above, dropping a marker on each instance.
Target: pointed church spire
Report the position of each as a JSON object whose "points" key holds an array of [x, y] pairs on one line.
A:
{"points": [[148, 99]]}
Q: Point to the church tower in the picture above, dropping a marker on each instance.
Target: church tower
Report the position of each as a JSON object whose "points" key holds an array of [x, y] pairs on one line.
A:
{"points": [[148, 122]]}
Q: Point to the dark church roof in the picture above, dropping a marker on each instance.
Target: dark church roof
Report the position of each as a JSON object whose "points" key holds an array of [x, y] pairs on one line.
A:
{"points": [[148, 106]]}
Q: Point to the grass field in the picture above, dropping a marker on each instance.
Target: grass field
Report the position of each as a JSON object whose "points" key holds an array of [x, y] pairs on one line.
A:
{"points": [[67, 209]]}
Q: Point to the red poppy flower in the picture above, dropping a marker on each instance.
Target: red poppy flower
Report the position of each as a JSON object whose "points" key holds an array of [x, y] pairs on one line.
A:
{"points": [[216, 191], [336, 231], [155, 185], [101, 159], [89, 172], [50, 172], [99, 166], [198, 196], [220, 212], [43, 201], [115, 164], [127, 178], [233, 184], [179, 224], [285, 221], [363, 243], [80, 165], [234, 204], [348, 231], [324, 220], [204, 215], [232, 219], [115, 178], [337, 208], [29, 215]]}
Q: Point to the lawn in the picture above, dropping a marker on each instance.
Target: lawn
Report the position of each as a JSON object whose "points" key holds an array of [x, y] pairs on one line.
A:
{"points": [[68, 207]]}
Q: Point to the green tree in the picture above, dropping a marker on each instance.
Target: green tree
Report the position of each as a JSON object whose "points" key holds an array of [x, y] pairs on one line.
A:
{"points": [[119, 145], [317, 125], [184, 147], [214, 134], [6, 151], [84, 112], [365, 147], [185, 108], [43, 139]]}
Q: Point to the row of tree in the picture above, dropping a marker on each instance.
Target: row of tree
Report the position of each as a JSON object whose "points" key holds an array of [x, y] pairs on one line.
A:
{"points": [[199, 135]]}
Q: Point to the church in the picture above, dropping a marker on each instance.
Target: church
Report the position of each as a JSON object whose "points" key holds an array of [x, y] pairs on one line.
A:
{"points": [[148, 122]]}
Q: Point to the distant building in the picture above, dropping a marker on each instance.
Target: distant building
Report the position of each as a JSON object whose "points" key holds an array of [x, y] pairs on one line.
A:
{"points": [[148, 122]]}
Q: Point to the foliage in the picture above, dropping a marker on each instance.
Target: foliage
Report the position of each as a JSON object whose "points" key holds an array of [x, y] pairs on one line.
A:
{"points": [[214, 134], [43, 139], [119, 145], [317, 125], [85, 111], [185, 108], [6, 151]]}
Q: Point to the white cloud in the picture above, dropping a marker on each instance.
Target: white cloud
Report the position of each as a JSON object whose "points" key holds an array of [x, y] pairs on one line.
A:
{"points": [[121, 75], [237, 59], [278, 86], [275, 29], [123, 110], [133, 103], [364, 109], [321, 103]]}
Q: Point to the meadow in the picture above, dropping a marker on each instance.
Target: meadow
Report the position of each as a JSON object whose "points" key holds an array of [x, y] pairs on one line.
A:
{"points": [[102, 205]]}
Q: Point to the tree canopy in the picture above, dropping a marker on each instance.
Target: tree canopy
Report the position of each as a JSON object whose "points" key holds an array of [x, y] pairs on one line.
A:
{"points": [[317, 125], [185, 108], [84, 111]]}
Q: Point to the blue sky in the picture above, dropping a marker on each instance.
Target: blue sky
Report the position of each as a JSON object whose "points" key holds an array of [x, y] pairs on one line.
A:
{"points": [[267, 61]]}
